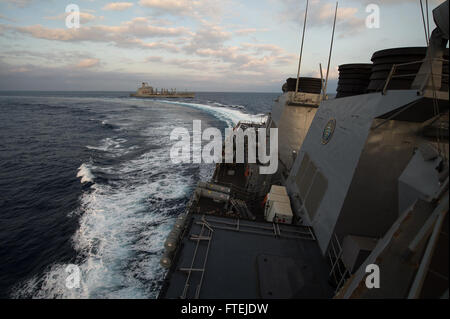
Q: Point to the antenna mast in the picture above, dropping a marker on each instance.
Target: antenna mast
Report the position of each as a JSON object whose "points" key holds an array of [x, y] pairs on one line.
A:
{"points": [[424, 23], [428, 18], [301, 49], [331, 50], [321, 81]]}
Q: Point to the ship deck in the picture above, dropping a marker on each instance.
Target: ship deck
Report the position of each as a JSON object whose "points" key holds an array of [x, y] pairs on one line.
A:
{"points": [[227, 253], [221, 258]]}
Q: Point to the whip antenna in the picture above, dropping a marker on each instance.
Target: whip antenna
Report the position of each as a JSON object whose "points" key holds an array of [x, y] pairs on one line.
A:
{"points": [[424, 23], [301, 49], [331, 50]]}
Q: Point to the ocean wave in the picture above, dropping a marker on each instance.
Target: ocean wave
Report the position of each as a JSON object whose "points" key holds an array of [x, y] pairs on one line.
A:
{"points": [[114, 146], [107, 125], [85, 173], [235, 106], [219, 104]]}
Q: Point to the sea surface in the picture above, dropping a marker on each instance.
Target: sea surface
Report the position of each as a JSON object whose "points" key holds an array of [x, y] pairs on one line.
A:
{"points": [[86, 179]]}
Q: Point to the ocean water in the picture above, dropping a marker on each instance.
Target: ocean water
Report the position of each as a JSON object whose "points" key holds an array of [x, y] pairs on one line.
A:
{"points": [[86, 179]]}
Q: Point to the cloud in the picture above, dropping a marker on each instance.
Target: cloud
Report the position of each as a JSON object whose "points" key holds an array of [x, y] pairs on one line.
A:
{"points": [[431, 3], [210, 42], [167, 46], [154, 59], [261, 48], [85, 17], [118, 6], [20, 70], [208, 36], [192, 64], [72, 78], [350, 17], [194, 8], [211, 49], [6, 18], [177, 6], [128, 33], [18, 3], [321, 14], [88, 63], [248, 31], [45, 57]]}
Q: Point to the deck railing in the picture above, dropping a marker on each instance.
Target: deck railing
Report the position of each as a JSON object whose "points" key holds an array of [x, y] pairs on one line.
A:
{"points": [[394, 68]]}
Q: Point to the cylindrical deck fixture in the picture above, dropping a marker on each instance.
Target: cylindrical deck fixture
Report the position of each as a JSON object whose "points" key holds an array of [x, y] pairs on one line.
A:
{"points": [[173, 238], [305, 85], [179, 223], [404, 75], [172, 241], [166, 260], [353, 79]]}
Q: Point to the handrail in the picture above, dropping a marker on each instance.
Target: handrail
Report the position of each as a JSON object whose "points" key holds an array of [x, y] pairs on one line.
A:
{"points": [[396, 66]]}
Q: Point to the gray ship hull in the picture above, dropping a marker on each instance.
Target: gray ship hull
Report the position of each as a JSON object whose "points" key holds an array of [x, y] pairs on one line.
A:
{"points": [[165, 96]]}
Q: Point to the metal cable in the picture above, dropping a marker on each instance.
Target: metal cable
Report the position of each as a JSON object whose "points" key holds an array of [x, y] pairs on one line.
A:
{"points": [[423, 19]]}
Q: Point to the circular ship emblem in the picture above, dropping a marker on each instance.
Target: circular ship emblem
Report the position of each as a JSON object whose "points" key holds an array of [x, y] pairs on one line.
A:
{"points": [[328, 131]]}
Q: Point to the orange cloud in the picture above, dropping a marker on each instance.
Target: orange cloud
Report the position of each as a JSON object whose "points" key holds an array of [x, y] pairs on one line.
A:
{"points": [[88, 63], [118, 6]]}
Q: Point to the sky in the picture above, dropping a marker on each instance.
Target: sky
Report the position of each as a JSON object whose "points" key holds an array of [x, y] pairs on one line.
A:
{"points": [[199, 45]]}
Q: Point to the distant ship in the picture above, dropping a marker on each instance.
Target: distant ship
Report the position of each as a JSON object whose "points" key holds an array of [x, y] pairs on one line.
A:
{"points": [[147, 91]]}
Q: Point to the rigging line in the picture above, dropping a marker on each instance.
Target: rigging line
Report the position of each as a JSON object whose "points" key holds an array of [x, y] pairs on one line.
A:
{"points": [[321, 81], [435, 102], [423, 19]]}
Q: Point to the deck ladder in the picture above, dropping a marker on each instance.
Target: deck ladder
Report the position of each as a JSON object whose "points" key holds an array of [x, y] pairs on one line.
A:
{"points": [[198, 238]]}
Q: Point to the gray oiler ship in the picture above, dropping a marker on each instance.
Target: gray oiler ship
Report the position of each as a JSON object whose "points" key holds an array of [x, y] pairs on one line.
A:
{"points": [[362, 184], [146, 91]]}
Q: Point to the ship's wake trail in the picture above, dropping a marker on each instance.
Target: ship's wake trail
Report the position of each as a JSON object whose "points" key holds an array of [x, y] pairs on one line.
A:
{"points": [[228, 114]]}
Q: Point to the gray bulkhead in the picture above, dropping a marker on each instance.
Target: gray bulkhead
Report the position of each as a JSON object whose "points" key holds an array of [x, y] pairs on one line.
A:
{"points": [[345, 178]]}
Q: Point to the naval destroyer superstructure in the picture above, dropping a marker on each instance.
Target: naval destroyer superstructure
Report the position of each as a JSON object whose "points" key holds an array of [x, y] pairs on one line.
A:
{"points": [[362, 180]]}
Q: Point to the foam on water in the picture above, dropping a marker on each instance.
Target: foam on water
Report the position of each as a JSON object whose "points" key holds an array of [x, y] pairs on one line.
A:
{"points": [[85, 173], [228, 115], [114, 146]]}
